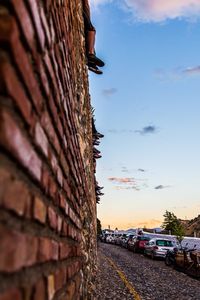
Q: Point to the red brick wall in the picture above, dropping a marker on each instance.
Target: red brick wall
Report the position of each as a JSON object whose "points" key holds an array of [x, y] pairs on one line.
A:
{"points": [[47, 198]]}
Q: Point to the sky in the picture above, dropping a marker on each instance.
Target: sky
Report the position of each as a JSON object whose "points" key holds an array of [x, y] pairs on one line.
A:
{"points": [[147, 105]]}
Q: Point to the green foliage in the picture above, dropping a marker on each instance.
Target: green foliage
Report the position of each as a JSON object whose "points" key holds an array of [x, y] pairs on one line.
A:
{"points": [[98, 227], [172, 223]]}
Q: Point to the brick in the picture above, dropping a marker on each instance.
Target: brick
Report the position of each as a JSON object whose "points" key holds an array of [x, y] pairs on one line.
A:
{"points": [[28, 214], [37, 22], [48, 250], [17, 250], [67, 188], [59, 224], [8, 29], [50, 70], [53, 108], [52, 31], [41, 139], [54, 162], [44, 80], [59, 89], [50, 131], [52, 188], [40, 290], [57, 23], [25, 66], [12, 250], [45, 180], [54, 250], [52, 217], [67, 208], [44, 250], [13, 139], [60, 176], [60, 278], [5, 177], [62, 202], [19, 204], [12, 294], [51, 287], [45, 26], [65, 250], [25, 23], [39, 210], [65, 229], [31, 250], [61, 64], [14, 89]]}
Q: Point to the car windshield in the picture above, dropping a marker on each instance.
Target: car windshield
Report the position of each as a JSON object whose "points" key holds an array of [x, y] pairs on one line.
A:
{"points": [[143, 238], [164, 243]]}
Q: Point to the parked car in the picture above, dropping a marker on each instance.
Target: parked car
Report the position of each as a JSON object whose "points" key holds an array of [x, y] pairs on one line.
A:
{"points": [[158, 247], [137, 243], [122, 239], [126, 239], [110, 238], [118, 239]]}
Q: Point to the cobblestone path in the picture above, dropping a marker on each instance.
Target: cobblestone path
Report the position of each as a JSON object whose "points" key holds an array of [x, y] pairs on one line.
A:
{"points": [[126, 275]]}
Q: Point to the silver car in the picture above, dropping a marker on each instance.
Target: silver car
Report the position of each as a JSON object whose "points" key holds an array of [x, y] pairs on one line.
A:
{"points": [[157, 247]]}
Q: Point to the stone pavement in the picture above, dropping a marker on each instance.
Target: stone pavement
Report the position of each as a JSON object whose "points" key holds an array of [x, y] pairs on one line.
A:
{"points": [[110, 282], [124, 275]]}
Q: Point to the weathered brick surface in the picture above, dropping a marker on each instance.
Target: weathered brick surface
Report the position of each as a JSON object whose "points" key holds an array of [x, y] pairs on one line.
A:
{"points": [[47, 192]]}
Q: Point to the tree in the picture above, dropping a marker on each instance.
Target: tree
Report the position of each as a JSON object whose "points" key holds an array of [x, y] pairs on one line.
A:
{"points": [[98, 227], [172, 223]]}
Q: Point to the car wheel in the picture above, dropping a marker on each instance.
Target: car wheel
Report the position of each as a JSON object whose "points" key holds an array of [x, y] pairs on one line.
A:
{"points": [[168, 261]]}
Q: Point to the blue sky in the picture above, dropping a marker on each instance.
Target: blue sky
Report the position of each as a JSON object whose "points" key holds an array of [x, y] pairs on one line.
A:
{"points": [[147, 104]]}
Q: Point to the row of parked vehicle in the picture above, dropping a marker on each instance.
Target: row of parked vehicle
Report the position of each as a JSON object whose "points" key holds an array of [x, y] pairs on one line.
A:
{"points": [[153, 247], [175, 255]]}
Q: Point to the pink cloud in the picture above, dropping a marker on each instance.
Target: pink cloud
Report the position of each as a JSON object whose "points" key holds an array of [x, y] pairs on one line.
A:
{"points": [[128, 183], [122, 180], [161, 10]]}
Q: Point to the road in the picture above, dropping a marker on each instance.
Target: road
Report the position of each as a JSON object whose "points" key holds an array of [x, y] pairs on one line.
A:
{"points": [[126, 275]]}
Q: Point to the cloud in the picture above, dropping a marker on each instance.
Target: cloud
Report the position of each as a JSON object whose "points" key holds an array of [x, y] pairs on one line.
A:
{"points": [[128, 183], [161, 187], [147, 130], [125, 170], [157, 10], [123, 180], [161, 10], [127, 188], [177, 73], [124, 183], [109, 92], [192, 71]]}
